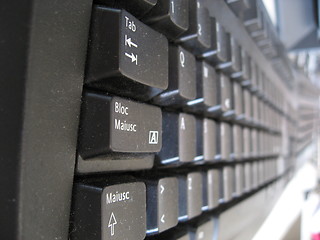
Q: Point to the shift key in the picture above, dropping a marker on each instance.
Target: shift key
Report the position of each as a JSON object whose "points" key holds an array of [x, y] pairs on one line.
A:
{"points": [[116, 125]]}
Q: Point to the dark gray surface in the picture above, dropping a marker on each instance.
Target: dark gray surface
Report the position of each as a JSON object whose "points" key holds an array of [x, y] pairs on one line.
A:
{"points": [[57, 49]]}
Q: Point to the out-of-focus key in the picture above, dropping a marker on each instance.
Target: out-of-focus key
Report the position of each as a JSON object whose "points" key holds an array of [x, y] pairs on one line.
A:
{"points": [[109, 212], [179, 138], [214, 185], [239, 177], [237, 142], [224, 103], [115, 125], [225, 136], [170, 17], [209, 139], [182, 79], [234, 57], [245, 72], [206, 88], [198, 36], [220, 45], [162, 204], [228, 180], [190, 196], [124, 57]]}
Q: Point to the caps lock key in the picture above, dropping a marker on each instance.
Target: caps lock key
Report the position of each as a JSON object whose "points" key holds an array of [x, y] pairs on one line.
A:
{"points": [[115, 125], [124, 54]]}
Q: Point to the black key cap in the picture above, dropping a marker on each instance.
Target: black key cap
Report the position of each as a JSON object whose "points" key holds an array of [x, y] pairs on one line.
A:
{"points": [[227, 183], [238, 100], [238, 7], [114, 212], [206, 88], [225, 136], [204, 232], [179, 138], [246, 142], [182, 78], [136, 7], [239, 177], [220, 44], [124, 57], [247, 105], [247, 178], [199, 134], [234, 57], [170, 17], [198, 36], [112, 124], [209, 139], [245, 73], [237, 142], [214, 186], [190, 196], [162, 204]]}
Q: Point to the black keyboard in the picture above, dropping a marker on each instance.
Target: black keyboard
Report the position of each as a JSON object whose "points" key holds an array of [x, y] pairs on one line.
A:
{"points": [[147, 119]]}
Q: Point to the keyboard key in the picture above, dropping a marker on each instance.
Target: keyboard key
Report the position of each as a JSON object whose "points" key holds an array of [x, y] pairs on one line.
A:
{"points": [[238, 7], [209, 139], [204, 232], [182, 79], [234, 57], [206, 88], [199, 133], [162, 204], [237, 142], [138, 8], [115, 125], [198, 36], [238, 100], [109, 212], [239, 179], [247, 177], [190, 196], [123, 59], [246, 142], [227, 183], [170, 17], [225, 137], [179, 138], [220, 45], [214, 186], [245, 73]]}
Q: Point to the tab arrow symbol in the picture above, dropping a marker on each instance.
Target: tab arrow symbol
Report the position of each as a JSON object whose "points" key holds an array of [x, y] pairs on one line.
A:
{"points": [[161, 189], [129, 42], [112, 222], [134, 58], [162, 219]]}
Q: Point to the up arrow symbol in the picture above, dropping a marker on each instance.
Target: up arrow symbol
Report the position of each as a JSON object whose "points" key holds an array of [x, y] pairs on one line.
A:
{"points": [[112, 222]]}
